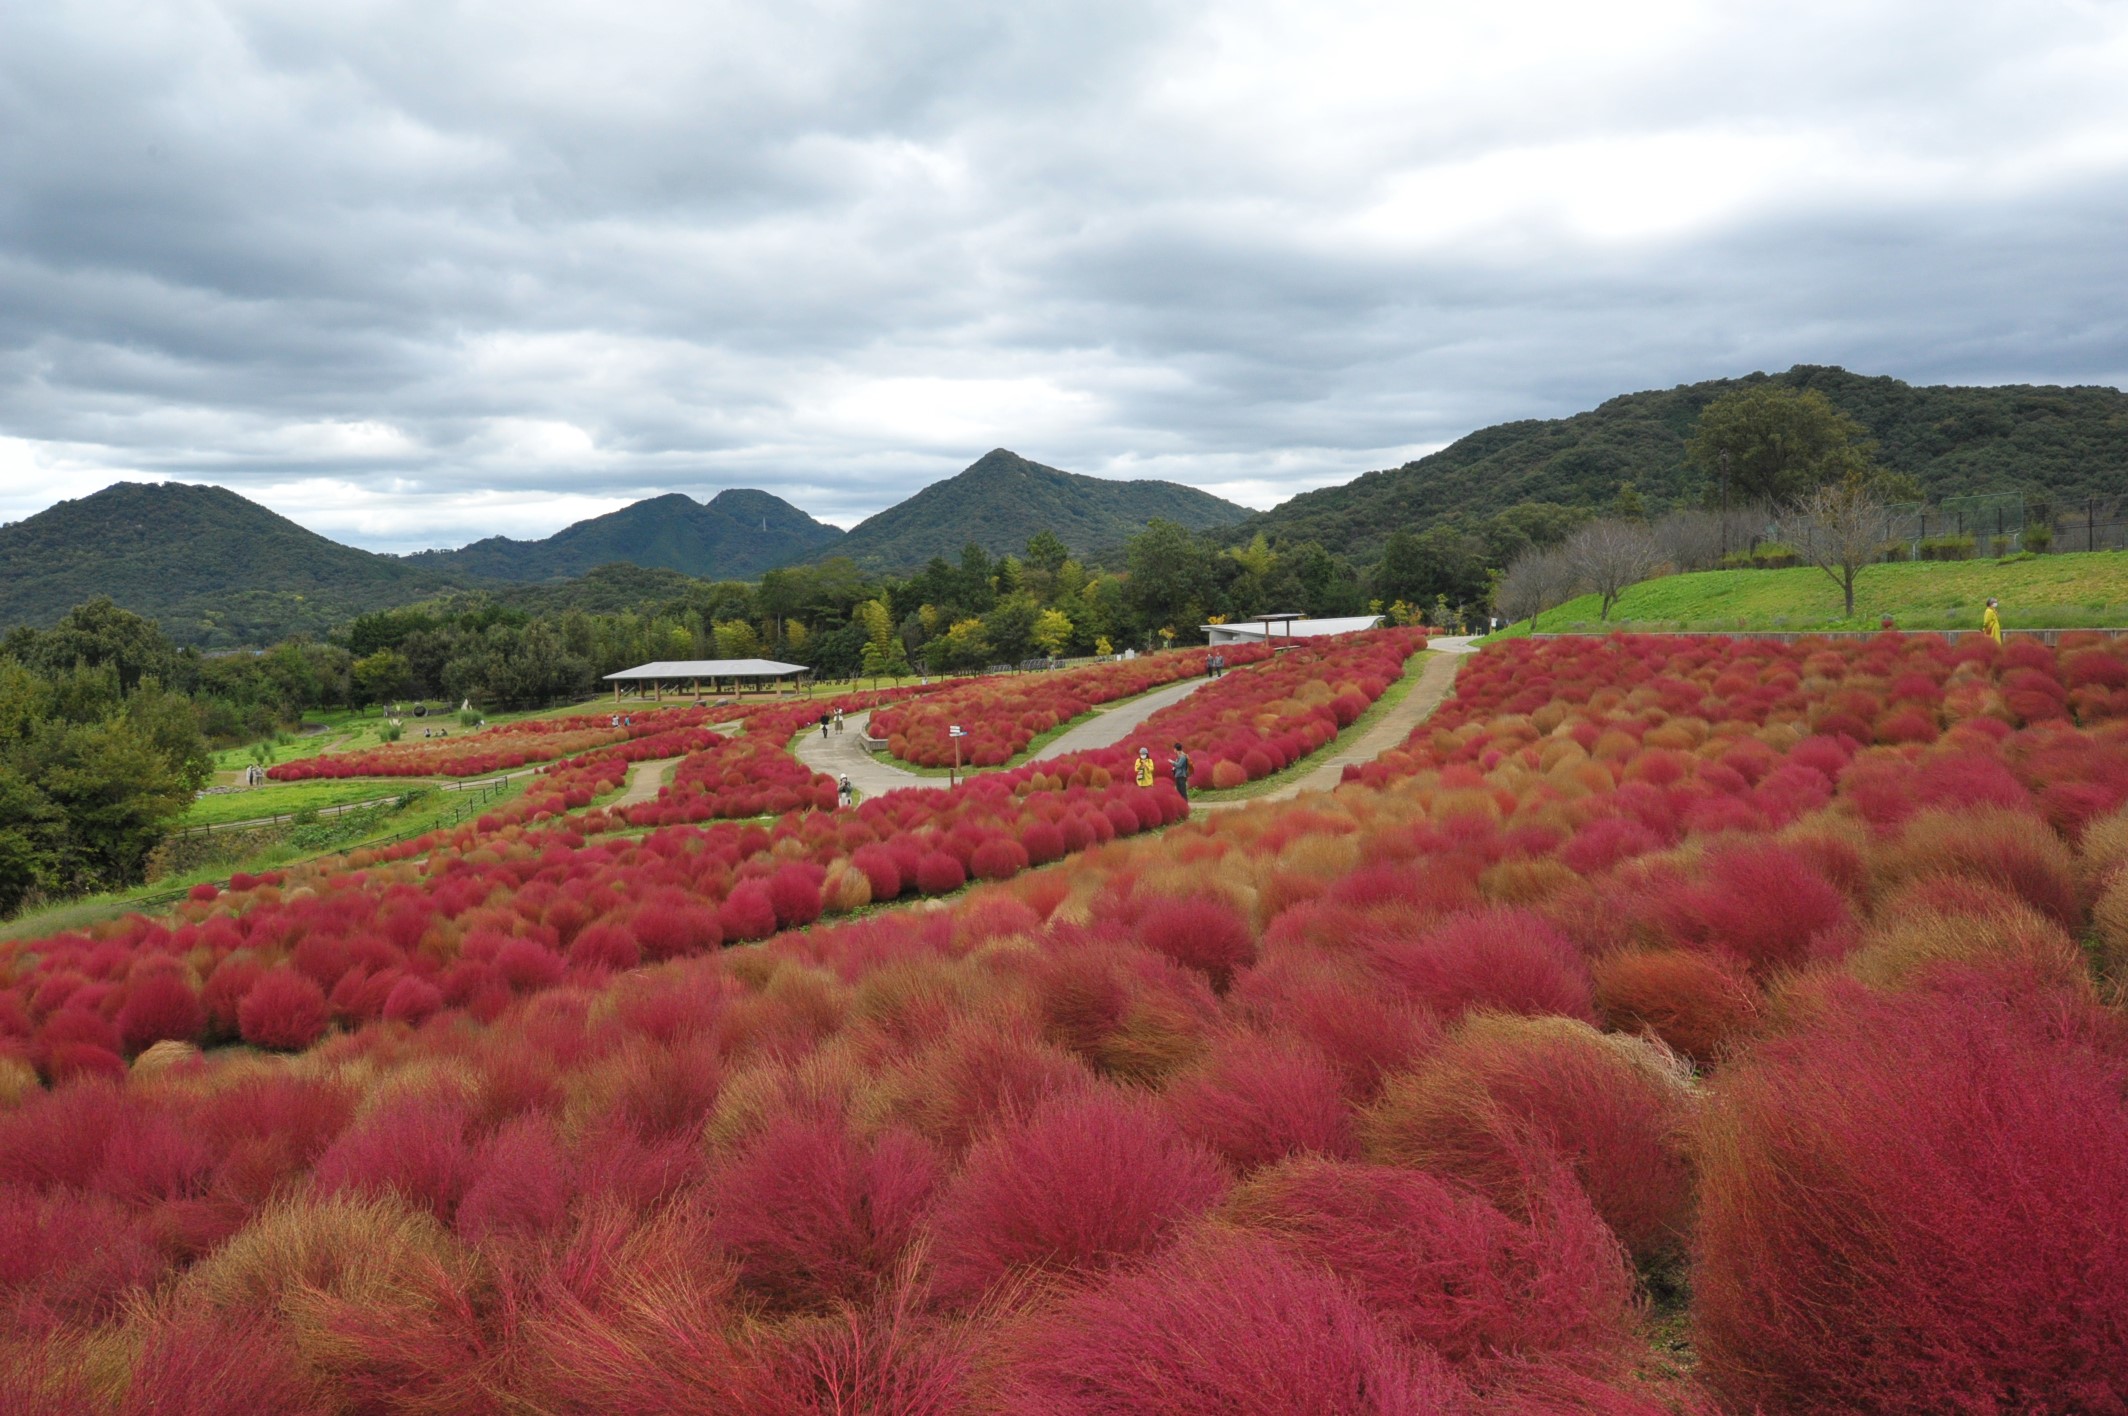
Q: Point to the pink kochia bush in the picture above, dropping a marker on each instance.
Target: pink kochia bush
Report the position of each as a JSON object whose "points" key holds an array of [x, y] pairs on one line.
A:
{"points": [[1229, 1324], [1939, 1183], [1647, 966]]}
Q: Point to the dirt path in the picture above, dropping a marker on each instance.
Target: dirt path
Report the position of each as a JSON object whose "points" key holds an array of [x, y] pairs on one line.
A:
{"points": [[1388, 731], [644, 780]]}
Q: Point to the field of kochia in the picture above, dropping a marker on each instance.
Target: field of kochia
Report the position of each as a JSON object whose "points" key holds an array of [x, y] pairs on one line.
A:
{"points": [[1689, 1026]]}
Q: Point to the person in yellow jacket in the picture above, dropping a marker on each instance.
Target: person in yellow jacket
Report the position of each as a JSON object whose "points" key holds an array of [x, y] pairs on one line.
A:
{"points": [[1991, 622], [1142, 769]]}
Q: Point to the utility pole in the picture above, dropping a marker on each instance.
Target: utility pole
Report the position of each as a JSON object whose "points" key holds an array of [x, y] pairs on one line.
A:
{"points": [[1725, 503]]}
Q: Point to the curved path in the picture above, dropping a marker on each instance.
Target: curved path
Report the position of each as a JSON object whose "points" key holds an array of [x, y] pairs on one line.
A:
{"points": [[840, 755], [644, 780], [1388, 731]]}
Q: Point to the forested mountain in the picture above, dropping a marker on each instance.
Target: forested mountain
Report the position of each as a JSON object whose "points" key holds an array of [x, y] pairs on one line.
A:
{"points": [[2051, 443], [212, 568], [1002, 499], [735, 535]]}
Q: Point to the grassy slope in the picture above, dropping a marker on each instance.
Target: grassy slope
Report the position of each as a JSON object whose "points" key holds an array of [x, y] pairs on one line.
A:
{"points": [[2037, 592], [282, 798]]}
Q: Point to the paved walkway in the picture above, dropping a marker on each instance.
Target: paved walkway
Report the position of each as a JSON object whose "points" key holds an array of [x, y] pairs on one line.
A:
{"points": [[839, 754], [645, 778], [1388, 731]]}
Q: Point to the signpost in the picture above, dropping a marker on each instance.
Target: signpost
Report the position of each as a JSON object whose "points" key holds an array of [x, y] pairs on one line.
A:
{"points": [[956, 732]]}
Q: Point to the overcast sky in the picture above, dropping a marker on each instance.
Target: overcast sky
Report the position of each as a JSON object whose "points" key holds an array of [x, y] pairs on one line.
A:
{"points": [[417, 271]]}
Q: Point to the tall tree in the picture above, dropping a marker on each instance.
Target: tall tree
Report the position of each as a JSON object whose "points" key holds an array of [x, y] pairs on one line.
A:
{"points": [[1607, 556], [1772, 443], [1172, 576], [1047, 550]]}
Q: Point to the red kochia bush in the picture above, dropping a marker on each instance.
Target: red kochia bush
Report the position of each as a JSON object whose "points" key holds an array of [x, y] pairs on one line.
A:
{"points": [[1230, 1324], [813, 1216], [1206, 934], [1443, 1267], [1505, 960], [159, 1005], [939, 874], [283, 1010], [1087, 1179], [413, 1147], [1256, 1100], [748, 912], [1914, 1205]]}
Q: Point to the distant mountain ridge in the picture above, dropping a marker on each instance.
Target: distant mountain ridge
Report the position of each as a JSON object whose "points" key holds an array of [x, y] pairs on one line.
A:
{"points": [[735, 535], [215, 569], [2043, 440], [1002, 499]]}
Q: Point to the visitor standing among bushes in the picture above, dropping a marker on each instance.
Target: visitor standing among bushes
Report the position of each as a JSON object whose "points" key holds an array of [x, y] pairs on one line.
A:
{"points": [[1181, 769], [1142, 769]]}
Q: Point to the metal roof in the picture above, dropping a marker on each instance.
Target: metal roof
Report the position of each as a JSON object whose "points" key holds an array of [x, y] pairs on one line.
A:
{"points": [[710, 668], [1297, 629]]}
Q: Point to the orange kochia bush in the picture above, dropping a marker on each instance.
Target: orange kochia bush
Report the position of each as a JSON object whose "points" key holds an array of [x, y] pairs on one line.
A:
{"points": [[1578, 995]]}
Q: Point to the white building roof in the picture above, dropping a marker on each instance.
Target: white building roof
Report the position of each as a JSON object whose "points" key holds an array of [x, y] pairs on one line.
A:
{"points": [[709, 668], [1298, 629]]}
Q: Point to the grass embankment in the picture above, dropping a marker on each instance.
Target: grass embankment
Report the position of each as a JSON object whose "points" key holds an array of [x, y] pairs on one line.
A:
{"points": [[424, 809], [2070, 591], [1391, 696], [285, 798]]}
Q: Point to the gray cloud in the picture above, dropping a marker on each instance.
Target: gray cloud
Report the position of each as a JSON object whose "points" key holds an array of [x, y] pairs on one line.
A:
{"points": [[412, 274]]}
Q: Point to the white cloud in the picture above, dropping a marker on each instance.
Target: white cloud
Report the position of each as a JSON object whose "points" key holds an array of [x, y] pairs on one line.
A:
{"points": [[425, 273]]}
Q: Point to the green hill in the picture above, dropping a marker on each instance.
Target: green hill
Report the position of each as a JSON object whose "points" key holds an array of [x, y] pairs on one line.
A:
{"points": [[2058, 444], [1003, 499], [737, 534], [212, 568], [2078, 590]]}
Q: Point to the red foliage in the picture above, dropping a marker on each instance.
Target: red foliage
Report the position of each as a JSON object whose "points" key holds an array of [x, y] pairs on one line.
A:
{"points": [[1257, 1100], [1904, 1208], [1503, 960], [1232, 1325], [748, 912], [521, 1183], [1084, 1181], [159, 1004], [1208, 935], [939, 874], [1699, 1003], [1444, 1268], [414, 1147], [283, 1010], [814, 1217], [998, 859]]}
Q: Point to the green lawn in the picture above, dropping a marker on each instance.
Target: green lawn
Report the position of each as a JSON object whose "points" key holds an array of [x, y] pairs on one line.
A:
{"points": [[282, 798], [2078, 590]]}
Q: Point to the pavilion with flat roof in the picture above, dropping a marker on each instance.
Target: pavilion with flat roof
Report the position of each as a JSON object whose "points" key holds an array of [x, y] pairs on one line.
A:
{"points": [[744, 674]]}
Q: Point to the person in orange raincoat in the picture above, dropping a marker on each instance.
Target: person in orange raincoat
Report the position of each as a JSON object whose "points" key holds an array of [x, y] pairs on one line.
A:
{"points": [[1991, 622]]}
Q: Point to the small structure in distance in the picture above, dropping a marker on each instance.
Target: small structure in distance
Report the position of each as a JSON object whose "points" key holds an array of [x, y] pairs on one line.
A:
{"points": [[1271, 628], [745, 674]]}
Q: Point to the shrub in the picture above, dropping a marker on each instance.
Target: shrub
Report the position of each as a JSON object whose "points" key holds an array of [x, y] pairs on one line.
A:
{"points": [[1231, 1325], [528, 965], [522, 1183], [604, 946], [1445, 1269], [813, 1217], [159, 1005], [794, 892], [998, 859], [1699, 1003], [1900, 1210], [748, 912], [1505, 960], [1205, 934], [939, 874], [2014, 850], [1765, 903], [1256, 1100], [1361, 1033], [283, 1010], [1082, 1182], [1502, 1089], [413, 1148], [412, 1000]]}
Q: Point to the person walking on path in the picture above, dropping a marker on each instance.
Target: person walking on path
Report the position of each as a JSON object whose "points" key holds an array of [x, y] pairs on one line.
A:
{"points": [[1181, 768], [838, 717], [1991, 622], [846, 790], [1142, 769], [824, 721]]}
